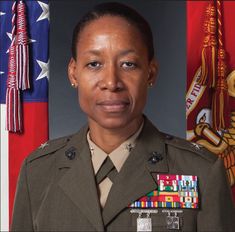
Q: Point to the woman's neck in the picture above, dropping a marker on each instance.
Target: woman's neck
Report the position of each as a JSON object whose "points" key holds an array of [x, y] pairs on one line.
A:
{"points": [[109, 139]]}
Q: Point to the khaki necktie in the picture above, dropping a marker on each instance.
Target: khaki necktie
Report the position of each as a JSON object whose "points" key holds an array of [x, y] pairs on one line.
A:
{"points": [[107, 170]]}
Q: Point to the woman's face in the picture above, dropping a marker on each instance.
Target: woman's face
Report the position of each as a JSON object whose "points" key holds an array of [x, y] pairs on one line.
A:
{"points": [[112, 72]]}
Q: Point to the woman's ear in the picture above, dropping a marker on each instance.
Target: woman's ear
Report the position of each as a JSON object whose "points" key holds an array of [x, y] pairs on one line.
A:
{"points": [[72, 72], [153, 71]]}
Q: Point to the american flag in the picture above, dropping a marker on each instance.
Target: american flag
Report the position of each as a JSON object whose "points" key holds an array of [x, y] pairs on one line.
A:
{"points": [[34, 101]]}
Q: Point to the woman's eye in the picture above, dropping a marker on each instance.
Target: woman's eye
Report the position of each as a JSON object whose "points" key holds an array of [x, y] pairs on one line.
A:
{"points": [[94, 64], [128, 64]]}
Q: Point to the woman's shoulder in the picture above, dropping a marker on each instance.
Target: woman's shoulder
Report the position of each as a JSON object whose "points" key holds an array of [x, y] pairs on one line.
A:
{"points": [[188, 148], [57, 146], [49, 147], [178, 147]]}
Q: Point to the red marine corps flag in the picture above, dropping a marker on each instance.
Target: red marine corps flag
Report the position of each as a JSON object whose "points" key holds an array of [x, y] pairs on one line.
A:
{"points": [[210, 98]]}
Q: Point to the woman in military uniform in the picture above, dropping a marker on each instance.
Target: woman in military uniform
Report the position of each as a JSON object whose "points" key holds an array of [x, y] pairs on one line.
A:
{"points": [[119, 173]]}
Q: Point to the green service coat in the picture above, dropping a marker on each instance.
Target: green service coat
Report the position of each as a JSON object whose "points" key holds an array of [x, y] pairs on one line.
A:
{"points": [[57, 191]]}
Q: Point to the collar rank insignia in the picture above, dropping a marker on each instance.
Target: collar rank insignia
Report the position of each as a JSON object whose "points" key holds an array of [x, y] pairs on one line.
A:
{"points": [[43, 145], [173, 191]]}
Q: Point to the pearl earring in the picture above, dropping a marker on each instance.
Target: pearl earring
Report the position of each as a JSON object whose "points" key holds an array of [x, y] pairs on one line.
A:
{"points": [[150, 85], [73, 85]]}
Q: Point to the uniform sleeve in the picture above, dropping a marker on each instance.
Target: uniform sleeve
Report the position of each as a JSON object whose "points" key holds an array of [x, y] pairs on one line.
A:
{"points": [[217, 208], [22, 218]]}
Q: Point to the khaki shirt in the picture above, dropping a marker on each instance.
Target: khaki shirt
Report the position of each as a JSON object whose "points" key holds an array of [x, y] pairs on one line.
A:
{"points": [[117, 156]]}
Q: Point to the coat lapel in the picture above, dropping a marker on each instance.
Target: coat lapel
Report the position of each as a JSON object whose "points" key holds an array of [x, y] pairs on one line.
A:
{"points": [[78, 183], [135, 179]]}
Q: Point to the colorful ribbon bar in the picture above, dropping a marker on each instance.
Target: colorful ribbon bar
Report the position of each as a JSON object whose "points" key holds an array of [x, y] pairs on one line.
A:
{"points": [[173, 191]]}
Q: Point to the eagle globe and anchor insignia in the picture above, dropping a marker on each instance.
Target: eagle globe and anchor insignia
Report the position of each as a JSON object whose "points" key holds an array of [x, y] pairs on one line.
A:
{"points": [[221, 143]]}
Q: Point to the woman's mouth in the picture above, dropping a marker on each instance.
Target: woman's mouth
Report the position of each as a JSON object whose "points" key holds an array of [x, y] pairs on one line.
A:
{"points": [[113, 106]]}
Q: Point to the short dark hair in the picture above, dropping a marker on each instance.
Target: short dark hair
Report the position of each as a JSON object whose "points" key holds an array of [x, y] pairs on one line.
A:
{"points": [[115, 9]]}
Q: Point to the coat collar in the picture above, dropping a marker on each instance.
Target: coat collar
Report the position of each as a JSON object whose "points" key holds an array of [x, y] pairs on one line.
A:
{"points": [[78, 182], [134, 180]]}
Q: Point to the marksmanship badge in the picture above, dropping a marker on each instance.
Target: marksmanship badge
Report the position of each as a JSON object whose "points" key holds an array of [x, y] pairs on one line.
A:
{"points": [[172, 219], [144, 223]]}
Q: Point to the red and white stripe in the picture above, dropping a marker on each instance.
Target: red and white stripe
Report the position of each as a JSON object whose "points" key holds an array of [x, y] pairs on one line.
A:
{"points": [[4, 173], [15, 147]]}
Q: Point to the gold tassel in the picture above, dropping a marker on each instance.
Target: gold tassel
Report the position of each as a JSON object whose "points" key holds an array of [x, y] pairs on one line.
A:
{"points": [[220, 107], [208, 55], [213, 61], [204, 71], [220, 102]]}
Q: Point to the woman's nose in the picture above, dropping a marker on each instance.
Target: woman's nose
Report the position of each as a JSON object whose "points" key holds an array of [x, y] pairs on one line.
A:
{"points": [[111, 79]]}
